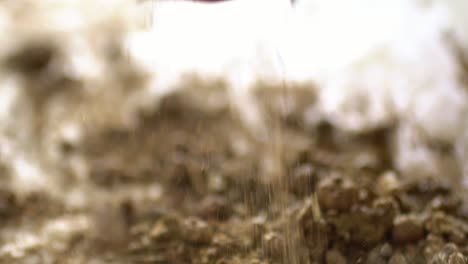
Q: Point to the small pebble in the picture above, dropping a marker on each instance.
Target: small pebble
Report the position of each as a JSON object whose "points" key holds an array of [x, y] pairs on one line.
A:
{"points": [[450, 254], [335, 257], [398, 258], [388, 184], [337, 193], [407, 228], [386, 250], [159, 231]]}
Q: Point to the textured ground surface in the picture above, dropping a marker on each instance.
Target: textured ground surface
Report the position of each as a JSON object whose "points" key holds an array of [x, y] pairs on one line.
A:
{"points": [[188, 185]]}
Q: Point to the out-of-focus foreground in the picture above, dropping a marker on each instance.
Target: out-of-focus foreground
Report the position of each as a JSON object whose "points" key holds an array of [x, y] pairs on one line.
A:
{"points": [[244, 131]]}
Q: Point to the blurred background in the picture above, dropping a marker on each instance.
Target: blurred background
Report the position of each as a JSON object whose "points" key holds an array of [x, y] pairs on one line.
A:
{"points": [[241, 131]]}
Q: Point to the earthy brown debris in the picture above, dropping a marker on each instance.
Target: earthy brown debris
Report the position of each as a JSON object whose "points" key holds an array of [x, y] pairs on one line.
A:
{"points": [[434, 244], [196, 231], [258, 226], [216, 183], [8, 203], [408, 228], [274, 244], [313, 227], [337, 193], [215, 208], [445, 225], [33, 57], [335, 257], [159, 231], [180, 177], [398, 258], [341, 203], [303, 180], [450, 254], [388, 184], [386, 250], [375, 257], [448, 204], [110, 225]]}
